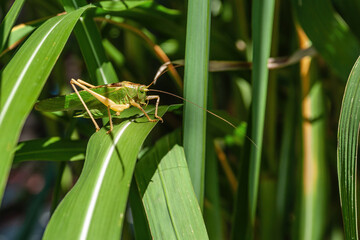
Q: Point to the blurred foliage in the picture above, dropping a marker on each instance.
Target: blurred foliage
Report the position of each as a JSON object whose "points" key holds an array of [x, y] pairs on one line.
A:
{"points": [[129, 40]]}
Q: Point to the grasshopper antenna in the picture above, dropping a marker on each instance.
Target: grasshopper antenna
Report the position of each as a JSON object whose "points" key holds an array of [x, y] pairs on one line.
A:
{"points": [[215, 115], [164, 68]]}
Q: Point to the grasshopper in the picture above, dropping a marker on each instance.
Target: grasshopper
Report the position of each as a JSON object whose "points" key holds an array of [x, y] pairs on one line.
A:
{"points": [[120, 96], [115, 97]]}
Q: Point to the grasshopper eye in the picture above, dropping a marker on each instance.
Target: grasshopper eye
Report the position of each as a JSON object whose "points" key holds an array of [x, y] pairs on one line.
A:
{"points": [[142, 90]]}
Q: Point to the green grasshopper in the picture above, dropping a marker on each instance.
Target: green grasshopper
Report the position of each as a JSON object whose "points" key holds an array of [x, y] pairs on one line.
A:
{"points": [[115, 97], [121, 96]]}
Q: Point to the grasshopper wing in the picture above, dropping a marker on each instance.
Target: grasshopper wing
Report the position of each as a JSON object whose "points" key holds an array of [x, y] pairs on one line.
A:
{"points": [[72, 102]]}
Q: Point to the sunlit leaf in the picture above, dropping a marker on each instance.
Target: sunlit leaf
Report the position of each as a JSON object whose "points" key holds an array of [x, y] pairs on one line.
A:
{"points": [[23, 78], [95, 207], [9, 21], [170, 203], [50, 149], [347, 151]]}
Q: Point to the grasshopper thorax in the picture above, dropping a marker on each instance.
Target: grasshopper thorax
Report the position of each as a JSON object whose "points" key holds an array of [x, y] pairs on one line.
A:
{"points": [[135, 91]]}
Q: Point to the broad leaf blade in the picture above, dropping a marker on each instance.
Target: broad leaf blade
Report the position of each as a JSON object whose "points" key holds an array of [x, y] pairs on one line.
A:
{"points": [[168, 196], [111, 6], [95, 207], [262, 19], [141, 224], [100, 69], [23, 78], [9, 21], [195, 90], [329, 36], [50, 149], [347, 151], [247, 196], [154, 17], [141, 221], [349, 10], [19, 33]]}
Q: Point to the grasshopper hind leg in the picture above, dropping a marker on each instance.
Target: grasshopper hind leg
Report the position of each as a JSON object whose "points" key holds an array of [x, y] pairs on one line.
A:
{"points": [[84, 104]]}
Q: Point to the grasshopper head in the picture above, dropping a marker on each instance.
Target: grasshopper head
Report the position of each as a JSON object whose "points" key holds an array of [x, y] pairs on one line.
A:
{"points": [[142, 90]]}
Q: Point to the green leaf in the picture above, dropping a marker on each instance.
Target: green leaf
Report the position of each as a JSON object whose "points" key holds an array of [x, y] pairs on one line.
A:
{"points": [[195, 90], [112, 6], [327, 32], [100, 69], [114, 53], [262, 18], [347, 151], [141, 224], [154, 17], [285, 157], [212, 210], [167, 193], [95, 207], [20, 32], [349, 10], [50, 149], [162, 146], [8, 22], [246, 203], [312, 192], [23, 78]]}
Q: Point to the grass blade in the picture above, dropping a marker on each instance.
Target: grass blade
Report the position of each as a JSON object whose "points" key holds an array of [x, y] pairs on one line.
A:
{"points": [[112, 6], [99, 67], [95, 207], [141, 224], [195, 90], [212, 210], [312, 197], [312, 211], [145, 170], [23, 78], [9, 21], [349, 10], [164, 182], [152, 16], [50, 149], [262, 18], [282, 192], [347, 151], [326, 37], [19, 33]]}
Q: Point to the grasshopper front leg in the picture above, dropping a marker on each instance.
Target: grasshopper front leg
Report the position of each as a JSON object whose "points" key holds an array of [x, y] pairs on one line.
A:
{"points": [[151, 97], [135, 104]]}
